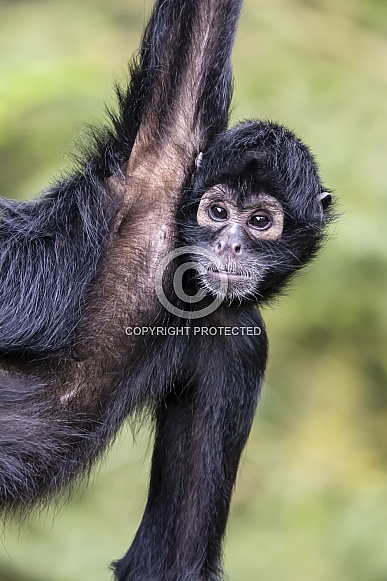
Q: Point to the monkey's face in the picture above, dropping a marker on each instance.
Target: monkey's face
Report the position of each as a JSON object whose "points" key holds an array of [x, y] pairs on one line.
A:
{"points": [[234, 229]]}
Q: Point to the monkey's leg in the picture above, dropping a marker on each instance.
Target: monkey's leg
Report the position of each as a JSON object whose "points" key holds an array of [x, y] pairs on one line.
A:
{"points": [[199, 440]]}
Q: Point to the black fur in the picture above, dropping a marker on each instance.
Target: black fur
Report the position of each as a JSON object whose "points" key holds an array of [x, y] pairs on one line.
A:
{"points": [[79, 265], [50, 251]]}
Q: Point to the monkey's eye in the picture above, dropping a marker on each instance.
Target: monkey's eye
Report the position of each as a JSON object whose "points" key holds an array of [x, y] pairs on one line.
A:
{"points": [[260, 221], [217, 213]]}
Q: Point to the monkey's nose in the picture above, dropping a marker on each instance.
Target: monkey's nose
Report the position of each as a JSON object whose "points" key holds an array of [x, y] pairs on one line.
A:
{"points": [[225, 246]]}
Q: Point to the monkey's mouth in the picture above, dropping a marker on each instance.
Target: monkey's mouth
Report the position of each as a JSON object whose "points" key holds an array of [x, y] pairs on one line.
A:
{"points": [[227, 281], [228, 274]]}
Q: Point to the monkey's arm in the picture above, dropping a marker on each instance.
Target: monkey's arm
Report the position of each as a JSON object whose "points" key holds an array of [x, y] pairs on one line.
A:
{"points": [[201, 432], [181, 88], [179, 99]]}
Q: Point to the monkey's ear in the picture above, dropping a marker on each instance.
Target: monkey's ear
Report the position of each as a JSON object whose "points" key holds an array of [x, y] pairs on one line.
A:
{"points": [[325, 200]]}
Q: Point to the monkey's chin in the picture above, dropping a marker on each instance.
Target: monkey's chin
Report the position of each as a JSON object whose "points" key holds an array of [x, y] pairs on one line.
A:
{"points": [[228, 286]]}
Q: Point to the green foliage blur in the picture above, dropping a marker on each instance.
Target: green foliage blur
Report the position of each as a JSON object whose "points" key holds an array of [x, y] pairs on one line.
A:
{"points": [[311, 497]]}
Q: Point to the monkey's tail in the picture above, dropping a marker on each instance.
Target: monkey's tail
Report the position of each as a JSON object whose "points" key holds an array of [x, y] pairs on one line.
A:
{"points": [[42, 450]]}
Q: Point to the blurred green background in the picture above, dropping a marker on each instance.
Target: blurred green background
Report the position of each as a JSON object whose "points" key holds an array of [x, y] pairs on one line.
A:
{"points": [[311, 497]]}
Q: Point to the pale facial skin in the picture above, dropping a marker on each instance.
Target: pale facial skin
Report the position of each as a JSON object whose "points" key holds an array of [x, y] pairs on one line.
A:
{"points": [[236, 226]]}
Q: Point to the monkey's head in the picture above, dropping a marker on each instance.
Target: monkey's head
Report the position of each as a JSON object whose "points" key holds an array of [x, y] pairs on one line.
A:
{"points": [[257, 212]]}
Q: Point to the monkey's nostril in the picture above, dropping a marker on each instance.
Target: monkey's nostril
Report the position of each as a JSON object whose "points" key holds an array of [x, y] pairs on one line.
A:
{"points": [[237, 249]]}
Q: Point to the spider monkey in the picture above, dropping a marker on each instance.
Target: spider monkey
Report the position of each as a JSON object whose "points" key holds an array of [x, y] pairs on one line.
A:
{"points": [[80, 264]]}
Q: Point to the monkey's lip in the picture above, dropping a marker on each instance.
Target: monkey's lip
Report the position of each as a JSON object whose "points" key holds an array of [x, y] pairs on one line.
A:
{"points": [[229, 275]]}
